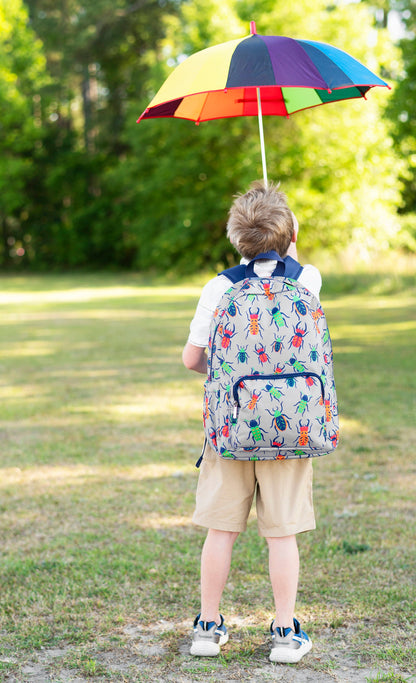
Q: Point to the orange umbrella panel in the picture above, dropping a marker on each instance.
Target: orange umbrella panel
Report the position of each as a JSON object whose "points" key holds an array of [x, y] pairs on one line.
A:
{"points": [[221, 104]]}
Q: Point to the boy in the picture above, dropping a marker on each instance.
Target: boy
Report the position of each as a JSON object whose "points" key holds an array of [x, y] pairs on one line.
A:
{"points": [[259, 221]]}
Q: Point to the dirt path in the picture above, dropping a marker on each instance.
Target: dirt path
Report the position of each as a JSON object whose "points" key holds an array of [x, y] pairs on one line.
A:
{"points": [[148, 657]]}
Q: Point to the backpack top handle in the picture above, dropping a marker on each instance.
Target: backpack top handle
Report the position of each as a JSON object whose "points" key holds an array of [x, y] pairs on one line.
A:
{"points": [[285, 267], [270, 256]]}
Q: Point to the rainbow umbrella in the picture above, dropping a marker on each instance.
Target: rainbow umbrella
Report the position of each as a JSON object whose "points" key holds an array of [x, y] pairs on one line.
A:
{"points": [[260, 75]]}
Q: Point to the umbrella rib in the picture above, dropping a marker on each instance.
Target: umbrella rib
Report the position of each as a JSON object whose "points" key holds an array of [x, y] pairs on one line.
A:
{"points": [[197, 122]]}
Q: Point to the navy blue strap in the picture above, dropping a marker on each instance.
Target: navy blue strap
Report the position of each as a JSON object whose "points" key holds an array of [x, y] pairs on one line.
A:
{"points": [[270, 255], [198, 462], [235, 274], [286, 267], [292, 268]]}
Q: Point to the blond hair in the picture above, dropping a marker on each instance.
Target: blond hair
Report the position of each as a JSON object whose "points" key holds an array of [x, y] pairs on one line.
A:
{"points": [[260, 220]]}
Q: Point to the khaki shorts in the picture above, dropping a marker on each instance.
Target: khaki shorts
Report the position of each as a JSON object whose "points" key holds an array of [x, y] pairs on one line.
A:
{"points": [[283, 491]]}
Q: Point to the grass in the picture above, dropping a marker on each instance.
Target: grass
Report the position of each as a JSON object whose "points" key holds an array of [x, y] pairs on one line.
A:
{"points": [[100, 430]]}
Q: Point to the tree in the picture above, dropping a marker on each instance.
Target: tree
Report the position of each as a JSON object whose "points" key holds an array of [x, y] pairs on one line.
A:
{"points": [[22, 66], [402, 110], [97, 57]]}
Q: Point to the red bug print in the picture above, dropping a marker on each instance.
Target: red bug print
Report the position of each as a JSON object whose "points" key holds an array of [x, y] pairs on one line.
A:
{"points": [[263, 357], [298, 337], [213, 437], [225, 429], [227, 335], [268, 293], [334, 438]]}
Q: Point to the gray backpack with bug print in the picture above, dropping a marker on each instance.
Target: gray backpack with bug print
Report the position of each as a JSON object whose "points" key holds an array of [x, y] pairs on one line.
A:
{"points": [[270, 390]]}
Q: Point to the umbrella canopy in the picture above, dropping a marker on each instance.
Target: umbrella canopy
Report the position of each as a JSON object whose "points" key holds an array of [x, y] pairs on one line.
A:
{"points": [[256, 75], [221, 81]]}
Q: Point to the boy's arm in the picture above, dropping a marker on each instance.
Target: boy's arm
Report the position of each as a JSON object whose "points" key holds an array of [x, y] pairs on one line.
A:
{"points": [[195, 358]]}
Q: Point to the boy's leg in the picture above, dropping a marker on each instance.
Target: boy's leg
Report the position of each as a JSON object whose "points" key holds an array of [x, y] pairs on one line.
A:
{"points": [[284, 508], [289, 642], [284, 574], [215, 566]]}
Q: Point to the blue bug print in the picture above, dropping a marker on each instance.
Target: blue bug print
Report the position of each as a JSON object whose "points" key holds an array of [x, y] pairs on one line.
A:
{"points": [[242, 355], [291, 381], [233, 308], [313, 354], [277, 345], [279, 421], [299, 305]]}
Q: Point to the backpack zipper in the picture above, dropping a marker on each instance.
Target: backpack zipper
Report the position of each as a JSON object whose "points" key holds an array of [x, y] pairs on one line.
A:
{"points": [[274, 376]]}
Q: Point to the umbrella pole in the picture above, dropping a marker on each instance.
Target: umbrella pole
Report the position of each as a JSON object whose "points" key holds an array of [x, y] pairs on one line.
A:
{"points": [[263, 151]]}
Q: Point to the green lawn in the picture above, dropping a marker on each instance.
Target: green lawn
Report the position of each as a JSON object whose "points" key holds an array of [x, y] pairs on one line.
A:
{"points": [[100, 427]]}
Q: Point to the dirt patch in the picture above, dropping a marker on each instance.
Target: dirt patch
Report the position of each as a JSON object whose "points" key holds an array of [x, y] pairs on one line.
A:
{"points": [[160, 654]]}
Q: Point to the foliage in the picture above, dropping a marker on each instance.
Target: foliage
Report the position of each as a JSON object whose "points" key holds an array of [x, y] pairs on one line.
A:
{"points": [[22, 65], [83, 186], [96, 58], [402, 112]]}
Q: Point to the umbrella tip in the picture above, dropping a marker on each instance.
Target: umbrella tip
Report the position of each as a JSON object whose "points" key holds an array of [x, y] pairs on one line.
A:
{"points": [[253, 29]]}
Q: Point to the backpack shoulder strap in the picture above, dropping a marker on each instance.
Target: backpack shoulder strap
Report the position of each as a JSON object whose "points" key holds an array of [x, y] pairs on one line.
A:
{"points": [[292, 269], [235, 274]]}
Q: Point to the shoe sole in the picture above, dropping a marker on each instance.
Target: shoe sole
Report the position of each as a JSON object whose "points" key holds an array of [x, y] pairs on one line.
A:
{"points": [[206, 648], [286, 655]]}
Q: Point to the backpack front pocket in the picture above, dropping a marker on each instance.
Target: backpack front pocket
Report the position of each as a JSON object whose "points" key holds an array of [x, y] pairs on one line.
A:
{"points": [[283, 412]]}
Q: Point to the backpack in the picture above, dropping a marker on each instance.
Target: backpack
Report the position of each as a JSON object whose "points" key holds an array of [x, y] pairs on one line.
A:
{"points": [[270, 390]]}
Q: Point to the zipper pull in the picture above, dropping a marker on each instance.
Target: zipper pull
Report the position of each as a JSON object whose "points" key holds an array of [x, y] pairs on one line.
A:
{"points": [[235, 412]]}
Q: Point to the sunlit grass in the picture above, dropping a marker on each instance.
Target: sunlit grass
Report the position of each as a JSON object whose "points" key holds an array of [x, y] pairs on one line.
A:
{"points": [[100, 427]]}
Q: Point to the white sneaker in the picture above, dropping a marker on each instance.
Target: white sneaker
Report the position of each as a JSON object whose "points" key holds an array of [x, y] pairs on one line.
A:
{"points": [[208, 638], [289, 645]]}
